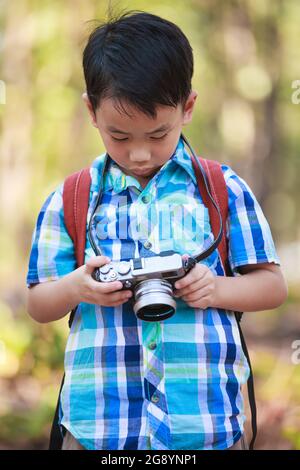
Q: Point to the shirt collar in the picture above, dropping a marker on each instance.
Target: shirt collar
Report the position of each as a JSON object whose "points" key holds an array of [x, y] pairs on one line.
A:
{"points": [[182, 158], [115, 178]]}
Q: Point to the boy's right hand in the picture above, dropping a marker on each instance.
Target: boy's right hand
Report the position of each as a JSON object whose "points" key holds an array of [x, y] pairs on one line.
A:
{"points": [[88, 290]]}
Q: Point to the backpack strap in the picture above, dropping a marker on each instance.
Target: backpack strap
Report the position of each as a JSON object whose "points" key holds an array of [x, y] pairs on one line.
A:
{"points": [[56, 438], [218, 189], [76, 194], [219, 193]]}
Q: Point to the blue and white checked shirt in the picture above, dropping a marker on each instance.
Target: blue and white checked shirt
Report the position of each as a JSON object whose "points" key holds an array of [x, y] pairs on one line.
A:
{"points": [[131, 384]]}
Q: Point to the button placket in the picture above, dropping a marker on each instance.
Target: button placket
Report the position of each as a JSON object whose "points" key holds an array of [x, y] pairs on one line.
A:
{"points": [[154, 378], [142, 215]]}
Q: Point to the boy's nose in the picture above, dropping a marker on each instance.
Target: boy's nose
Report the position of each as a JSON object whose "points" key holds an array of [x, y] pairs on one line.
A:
{"points": [[139, 156]]}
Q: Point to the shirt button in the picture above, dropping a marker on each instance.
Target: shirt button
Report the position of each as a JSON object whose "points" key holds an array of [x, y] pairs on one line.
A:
{"points": [[152, 345], [155, 399], [146, 199], [147, 245]]}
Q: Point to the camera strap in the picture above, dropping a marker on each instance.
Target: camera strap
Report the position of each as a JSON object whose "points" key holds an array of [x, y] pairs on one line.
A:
{"points": [[211, 185]]}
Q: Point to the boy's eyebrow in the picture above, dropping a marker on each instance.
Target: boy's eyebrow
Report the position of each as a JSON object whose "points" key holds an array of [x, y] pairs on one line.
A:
{"points": [[164, 127]]}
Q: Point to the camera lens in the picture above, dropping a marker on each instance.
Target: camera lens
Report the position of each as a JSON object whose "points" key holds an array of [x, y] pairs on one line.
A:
{"points": [[154, 300]]}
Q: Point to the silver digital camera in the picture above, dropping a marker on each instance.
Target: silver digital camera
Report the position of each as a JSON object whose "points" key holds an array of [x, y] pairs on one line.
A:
{"points": [[151, 280]]}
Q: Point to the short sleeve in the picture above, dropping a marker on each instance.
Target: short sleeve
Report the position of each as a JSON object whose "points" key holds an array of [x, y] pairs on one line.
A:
{"points": [[52, 253], [248, 232]]}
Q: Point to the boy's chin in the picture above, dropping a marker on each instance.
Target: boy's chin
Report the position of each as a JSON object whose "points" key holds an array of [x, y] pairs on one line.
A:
{"points": [[144, 173], [144, 179]]}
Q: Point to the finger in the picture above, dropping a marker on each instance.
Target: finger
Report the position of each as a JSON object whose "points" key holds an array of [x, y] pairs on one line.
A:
{"points": [[106, 287], [196, 273], [118, 297], [196, 296], [186, 290], [184, 281], [194, 286], [96, 262]]}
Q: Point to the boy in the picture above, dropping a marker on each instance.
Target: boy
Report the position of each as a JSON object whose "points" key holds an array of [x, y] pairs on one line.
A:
{"points": [[129, 383]]}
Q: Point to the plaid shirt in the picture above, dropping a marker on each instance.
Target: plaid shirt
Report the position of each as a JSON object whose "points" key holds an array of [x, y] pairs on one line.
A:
{"points": [[174, 384]]}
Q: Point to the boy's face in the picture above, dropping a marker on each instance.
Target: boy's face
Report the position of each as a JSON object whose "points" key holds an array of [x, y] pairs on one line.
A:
{"points": [[139, 144]]}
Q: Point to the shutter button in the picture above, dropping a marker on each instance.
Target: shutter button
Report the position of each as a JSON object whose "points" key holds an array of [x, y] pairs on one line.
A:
{"points": [[123, 267], [105, 268]]}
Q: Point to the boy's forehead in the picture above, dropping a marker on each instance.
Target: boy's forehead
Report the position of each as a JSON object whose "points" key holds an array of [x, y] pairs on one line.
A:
{"points": [[113, 115]]}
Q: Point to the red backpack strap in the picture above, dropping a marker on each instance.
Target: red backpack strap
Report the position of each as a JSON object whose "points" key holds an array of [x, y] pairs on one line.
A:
{"points": [[219, 193], [218, 189], [76, 194]]}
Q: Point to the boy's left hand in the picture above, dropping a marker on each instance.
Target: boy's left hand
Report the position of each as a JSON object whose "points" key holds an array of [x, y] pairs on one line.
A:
{"points": [[197, 288]]}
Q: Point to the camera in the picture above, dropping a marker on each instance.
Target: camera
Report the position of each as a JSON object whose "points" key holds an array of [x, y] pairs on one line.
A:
{"points": [[151, 280]]}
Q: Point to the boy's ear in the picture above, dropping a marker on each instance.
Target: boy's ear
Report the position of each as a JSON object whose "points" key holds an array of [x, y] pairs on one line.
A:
{"points": [[90, 108], [189, 107]]}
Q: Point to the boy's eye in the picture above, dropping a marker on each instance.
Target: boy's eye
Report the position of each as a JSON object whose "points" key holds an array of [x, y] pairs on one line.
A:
{"points": [[118, 140], [154, 138], [159, 138]]}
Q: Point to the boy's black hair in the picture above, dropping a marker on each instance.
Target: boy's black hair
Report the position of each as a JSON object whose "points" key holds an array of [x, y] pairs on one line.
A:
{"points": [[138, 58]]}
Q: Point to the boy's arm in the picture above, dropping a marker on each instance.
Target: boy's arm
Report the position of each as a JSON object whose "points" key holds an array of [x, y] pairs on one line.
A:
{"points": [[251, 252], [50, 301], [261, 287]]}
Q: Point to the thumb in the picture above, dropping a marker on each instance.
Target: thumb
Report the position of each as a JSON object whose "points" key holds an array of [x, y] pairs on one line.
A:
{"points": [[96, 262]]}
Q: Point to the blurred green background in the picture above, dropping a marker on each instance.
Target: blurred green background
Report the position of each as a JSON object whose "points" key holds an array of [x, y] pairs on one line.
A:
{"points": [[247, 59]]}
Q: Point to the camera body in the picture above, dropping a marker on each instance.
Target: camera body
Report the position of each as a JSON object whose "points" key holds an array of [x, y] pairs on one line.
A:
{"points": [[151, 281]]}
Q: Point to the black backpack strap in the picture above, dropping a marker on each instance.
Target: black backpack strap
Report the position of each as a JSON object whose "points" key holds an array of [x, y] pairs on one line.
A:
{"points": [[56, 438], [250, 384]]}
